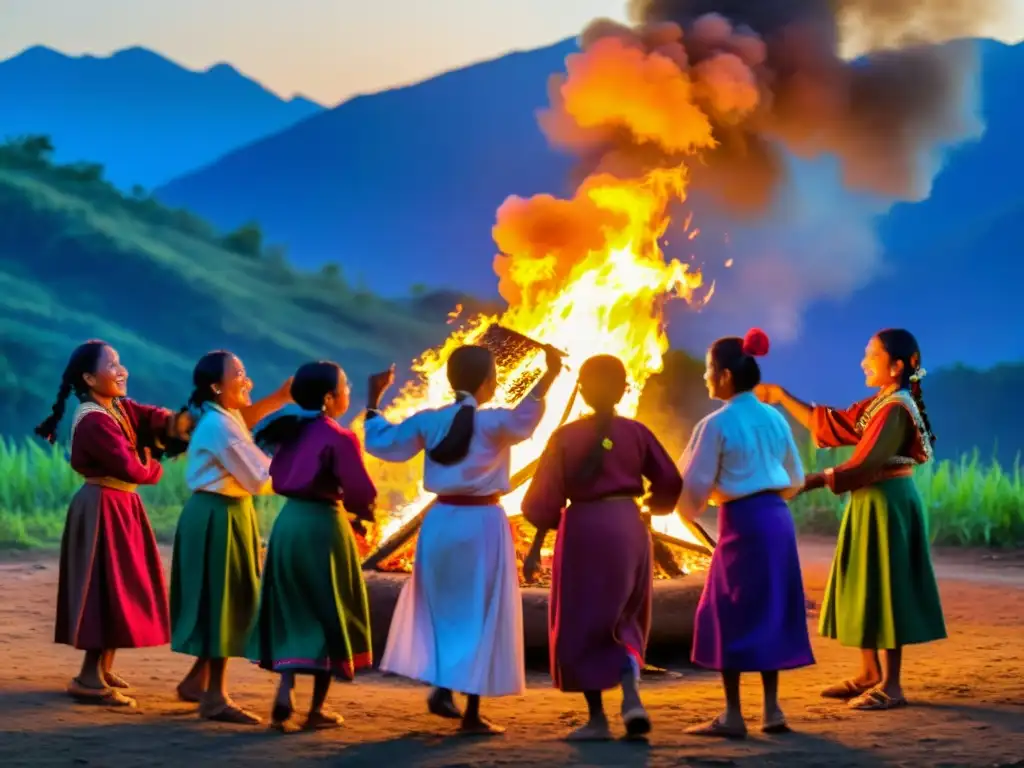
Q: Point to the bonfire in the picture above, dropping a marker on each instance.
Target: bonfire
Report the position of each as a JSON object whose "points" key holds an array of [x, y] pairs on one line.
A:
{"points": [[608, 301]]}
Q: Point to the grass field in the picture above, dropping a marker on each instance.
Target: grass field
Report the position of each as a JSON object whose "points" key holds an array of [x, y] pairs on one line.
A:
{"points": [[970, 503]]}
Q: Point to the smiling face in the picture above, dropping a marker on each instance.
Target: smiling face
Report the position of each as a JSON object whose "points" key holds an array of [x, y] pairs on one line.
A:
{"points": [[718, 383], [879, 368], [110, 379], [236, 386], [337, 401]]}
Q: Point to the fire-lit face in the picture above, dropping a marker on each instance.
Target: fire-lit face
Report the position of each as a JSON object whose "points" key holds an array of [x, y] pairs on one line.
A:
{"points": [[718, 383], [336, 402], [879, 369], [110, 379], [235, 389]]}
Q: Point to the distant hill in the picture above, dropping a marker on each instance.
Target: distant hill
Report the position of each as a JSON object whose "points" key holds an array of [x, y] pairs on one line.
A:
{"points": [[80, 260], [142, 116], [410, 177]]}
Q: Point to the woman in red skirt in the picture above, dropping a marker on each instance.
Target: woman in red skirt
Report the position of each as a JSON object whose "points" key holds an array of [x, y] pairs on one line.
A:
{"points": [[111, 593]]}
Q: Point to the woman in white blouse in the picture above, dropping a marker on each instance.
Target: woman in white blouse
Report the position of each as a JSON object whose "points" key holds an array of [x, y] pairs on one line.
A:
{"points": [[215, 571], [752, 616]]}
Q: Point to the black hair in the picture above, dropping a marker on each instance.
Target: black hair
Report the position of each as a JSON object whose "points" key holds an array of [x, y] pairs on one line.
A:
{"points": [[602, 384], [901, 346], [728, 354], [84, 360], [208, 373], [469, 366], [311, 384]]}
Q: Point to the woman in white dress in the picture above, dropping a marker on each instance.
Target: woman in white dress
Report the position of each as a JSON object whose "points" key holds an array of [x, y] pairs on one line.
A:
{"points": [[458, 624]]}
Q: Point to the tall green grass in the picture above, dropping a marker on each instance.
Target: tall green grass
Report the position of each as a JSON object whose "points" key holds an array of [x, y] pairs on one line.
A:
{"points": [[970, 502]]}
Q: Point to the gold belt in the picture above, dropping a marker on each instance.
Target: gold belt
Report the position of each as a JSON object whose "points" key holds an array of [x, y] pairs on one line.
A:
{"points": [[113, 483]]}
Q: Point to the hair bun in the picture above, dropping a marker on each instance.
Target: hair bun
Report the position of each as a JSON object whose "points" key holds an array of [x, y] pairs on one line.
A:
{"points": [[755, 343]]}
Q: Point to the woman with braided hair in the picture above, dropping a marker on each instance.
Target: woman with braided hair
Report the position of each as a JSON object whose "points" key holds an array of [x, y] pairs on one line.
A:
{"points": [[752, 615], [881, 593], [599, 612], [111, 591]]}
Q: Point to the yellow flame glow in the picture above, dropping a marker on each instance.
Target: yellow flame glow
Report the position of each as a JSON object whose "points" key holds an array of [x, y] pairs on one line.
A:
{"points": [[609, 303]]}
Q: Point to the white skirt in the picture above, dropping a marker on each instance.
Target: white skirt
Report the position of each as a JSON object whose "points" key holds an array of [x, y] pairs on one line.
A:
{"points": [[458, 623]]}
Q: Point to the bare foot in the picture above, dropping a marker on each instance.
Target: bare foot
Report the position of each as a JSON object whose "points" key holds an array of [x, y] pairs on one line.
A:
{"points": [[114, 680], [281, 717], [226, 711], [191, 690], [725, 726], [595, 730], [480, 726]]}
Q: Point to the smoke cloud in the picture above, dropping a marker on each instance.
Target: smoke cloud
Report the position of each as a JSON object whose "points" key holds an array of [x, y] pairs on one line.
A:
{"points": [[742, 92]]}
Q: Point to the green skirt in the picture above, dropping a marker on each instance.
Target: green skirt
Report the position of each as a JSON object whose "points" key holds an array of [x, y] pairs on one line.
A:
{"points": [[314, 615], [215, 576], [882, 591]]}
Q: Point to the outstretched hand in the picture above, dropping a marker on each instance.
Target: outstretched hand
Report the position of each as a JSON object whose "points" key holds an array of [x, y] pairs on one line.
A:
{"points": [[769, 394], [283, 394], [813, 482]]}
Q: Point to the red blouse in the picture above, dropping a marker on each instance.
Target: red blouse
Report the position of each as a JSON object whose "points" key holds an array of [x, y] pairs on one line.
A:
{"points": [[887, 432]]}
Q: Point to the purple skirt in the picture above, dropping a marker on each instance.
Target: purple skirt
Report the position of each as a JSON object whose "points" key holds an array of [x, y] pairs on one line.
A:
{"points": [[752, 615]]}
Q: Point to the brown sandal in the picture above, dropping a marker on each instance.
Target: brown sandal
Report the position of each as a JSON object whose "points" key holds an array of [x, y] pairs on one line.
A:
{"points": [[845, 690], [229, 713], [322, 720], [716, 729], [103, 697], [877, 700]]}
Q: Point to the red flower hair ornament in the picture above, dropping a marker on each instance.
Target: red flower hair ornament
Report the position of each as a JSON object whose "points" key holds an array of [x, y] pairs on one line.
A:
{"points": [[756, 343]]}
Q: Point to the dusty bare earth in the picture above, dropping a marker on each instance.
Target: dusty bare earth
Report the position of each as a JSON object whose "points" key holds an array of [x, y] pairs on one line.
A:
{"points": [[967, 696]]}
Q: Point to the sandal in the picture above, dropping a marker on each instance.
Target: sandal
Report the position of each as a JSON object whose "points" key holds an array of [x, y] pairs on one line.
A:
{"points": [[845, 690], [774, 727], [877, 700], [716, 729], [591, 732], [104, 697], [229, 713], [322, 720]]}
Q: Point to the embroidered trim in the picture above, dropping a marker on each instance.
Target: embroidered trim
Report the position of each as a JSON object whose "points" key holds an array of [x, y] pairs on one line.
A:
{"points": [[904, 398]]}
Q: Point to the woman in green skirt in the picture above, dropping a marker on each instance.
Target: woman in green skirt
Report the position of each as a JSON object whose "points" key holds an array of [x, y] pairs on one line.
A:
{"points": [[881, 593], [314, 616], [216, 563]]}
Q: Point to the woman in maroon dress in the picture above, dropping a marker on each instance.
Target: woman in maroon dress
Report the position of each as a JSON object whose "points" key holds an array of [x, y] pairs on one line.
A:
{"points": [[600, 607], [111, 592]]}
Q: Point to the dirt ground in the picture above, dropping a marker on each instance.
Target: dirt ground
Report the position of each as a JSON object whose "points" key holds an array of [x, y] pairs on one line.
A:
{"points": [[967, 696]]}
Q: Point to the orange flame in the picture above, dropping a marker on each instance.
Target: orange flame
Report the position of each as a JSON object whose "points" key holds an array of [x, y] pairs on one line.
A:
{"points": [[587, 274]]}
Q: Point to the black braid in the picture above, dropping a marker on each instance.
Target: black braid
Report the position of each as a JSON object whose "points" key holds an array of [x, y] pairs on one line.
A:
{"points": [[594, 460], [915, 392], [83, 360], [48, 428]]}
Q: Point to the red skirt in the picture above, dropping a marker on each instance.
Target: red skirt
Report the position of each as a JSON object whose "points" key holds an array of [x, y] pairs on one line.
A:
{"points": [[112, 592]]}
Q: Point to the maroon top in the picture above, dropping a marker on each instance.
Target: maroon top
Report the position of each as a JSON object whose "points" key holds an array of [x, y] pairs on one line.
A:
{"points": [[634, 454], [325, 463], [109, 447]]}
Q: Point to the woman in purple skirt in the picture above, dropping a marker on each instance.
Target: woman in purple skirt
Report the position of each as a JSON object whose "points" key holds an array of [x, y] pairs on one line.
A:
{"points": [[600, 606], [752, 616]]}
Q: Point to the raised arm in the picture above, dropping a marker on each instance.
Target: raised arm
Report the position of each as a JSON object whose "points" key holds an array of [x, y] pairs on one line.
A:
{"points": [[545, 498], [663, 475], [358, 491], [513, 425], [99, 439], [393, 442], [882, 440], [699, 466]]}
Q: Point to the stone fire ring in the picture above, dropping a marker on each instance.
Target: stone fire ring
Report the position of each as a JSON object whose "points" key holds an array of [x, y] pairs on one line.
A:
{"points": [[674, 605]]}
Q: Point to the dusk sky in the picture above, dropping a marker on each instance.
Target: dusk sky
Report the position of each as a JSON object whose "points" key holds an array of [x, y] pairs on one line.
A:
{"points": [[326, 49]]}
